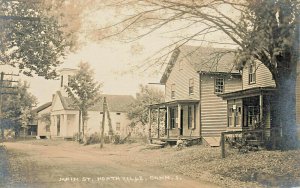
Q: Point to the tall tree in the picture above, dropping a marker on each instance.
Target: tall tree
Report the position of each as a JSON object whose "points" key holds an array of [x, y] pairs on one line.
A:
{"points": [[138, 111], [18, 107], [31, 37], [84, 91], [263, 30]]}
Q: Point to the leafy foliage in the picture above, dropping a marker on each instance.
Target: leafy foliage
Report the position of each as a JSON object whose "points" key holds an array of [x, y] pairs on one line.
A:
{"points": [[138, 111], [18, 108], [83, 89], [31, 38]]}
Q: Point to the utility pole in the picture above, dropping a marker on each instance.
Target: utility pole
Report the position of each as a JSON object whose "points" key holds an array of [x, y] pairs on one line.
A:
{"points": [[3, 88], [103, 122]]}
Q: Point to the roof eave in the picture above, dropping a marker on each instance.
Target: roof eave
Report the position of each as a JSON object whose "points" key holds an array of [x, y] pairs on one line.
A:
{"points": [[248, 93], [230, 73]]}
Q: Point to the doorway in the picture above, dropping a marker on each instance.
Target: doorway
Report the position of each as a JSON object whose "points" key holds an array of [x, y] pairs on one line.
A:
{"points": [[58, 125]]}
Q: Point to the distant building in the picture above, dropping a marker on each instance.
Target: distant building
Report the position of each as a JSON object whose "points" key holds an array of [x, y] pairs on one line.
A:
{"points": [[64, 116]]}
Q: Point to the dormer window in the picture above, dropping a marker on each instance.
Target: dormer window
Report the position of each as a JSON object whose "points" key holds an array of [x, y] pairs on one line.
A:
{"points": [[252, 73], [173, 91]]}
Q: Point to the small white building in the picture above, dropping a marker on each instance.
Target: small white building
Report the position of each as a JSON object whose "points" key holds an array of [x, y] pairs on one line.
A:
{"points": [[43, 120], [65, 116]]}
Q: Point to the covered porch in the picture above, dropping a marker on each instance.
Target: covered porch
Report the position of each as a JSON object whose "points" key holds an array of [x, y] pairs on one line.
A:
{"points": [[249, 109], [177, 119], [63, 125]]}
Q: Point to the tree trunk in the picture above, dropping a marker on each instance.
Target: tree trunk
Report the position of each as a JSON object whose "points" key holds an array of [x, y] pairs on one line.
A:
{"points": [[84, 117], [285, 108], [285, 97], [79, 125]]}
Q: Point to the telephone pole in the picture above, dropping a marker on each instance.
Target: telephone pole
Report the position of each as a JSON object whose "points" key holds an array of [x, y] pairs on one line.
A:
{"points": [[5, 87]]}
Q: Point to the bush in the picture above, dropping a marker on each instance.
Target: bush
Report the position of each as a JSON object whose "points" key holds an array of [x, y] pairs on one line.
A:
{"points": [[93, 139]]}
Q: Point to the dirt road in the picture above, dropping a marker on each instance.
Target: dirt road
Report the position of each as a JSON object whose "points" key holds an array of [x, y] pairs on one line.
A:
{"points": [[67, 164]]}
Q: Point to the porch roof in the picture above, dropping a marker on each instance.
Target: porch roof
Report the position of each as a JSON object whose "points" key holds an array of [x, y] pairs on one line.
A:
{"points": [[172, 103], [251, 92]]}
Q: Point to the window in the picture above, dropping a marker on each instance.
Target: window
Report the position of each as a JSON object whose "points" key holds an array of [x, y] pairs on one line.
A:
{"points": [[101, 112], [118, 113], [61, 81], [252, 73], [191, 86], [253, 115], [173, 117], [235, 116], [173, 91], [118, 126], [219, 85], [190, 117]]}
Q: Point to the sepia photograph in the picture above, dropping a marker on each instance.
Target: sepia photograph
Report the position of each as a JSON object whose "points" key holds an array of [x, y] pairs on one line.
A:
{"points": [[149, 93]]}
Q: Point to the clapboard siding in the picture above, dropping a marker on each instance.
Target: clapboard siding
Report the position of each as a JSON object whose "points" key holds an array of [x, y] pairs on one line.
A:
{"points": [[214, 108], [263, 77], [181, 77]]}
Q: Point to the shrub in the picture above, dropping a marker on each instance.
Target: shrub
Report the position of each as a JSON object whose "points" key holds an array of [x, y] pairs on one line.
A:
{"points": [[93, 138]]}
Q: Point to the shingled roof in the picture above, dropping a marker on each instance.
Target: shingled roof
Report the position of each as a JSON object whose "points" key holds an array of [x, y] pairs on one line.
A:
{"points": [[203, 59], [116, 103]]}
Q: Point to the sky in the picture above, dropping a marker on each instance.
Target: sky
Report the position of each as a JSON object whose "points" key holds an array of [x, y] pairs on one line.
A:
{"points": [[111, 64]]}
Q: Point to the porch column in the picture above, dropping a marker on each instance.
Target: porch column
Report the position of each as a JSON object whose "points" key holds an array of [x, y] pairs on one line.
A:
{"points": [[179, 119], [65, 124], [149, 128], [52, 126], [168, 122], [261, 114], [261, 108], [158, 121]]}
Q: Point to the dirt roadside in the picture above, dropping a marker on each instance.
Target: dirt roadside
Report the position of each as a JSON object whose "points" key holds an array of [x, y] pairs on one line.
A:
{"points": [[47, 163]]}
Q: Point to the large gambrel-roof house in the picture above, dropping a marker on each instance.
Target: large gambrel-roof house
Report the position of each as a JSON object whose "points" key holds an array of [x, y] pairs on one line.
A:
{"points": [[193, 79], [65, 116]]}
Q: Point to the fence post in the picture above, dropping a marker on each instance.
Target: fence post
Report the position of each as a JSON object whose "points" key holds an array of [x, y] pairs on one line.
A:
{"points": [[223, 145]]}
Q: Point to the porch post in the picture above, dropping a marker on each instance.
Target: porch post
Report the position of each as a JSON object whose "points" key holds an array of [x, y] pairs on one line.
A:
{"points": [[261, 114], [52, 125], [179, 118], [168, 121], [149, 128], [66, 125], [158, 121], [261, 108]]}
